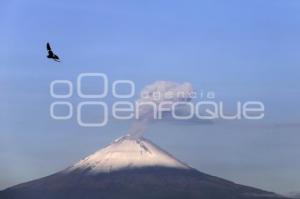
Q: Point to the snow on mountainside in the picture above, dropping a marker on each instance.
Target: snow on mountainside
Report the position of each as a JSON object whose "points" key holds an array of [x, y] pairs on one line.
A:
{"points": [[126, 153], [132, 169]]}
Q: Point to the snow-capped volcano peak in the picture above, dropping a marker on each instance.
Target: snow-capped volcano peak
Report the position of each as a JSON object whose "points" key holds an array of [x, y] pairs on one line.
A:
{"points": [[126, 153], [143, 171]]}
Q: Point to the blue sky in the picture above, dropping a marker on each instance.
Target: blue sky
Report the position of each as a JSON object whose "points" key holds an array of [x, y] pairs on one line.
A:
{"points": [[241, 50]]}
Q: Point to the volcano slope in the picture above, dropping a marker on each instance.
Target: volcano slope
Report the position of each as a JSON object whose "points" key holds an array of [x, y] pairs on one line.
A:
{"points": [[132, 169]]}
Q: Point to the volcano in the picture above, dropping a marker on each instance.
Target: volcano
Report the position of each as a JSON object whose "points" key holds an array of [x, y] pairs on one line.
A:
{"points": [[131, 168]]}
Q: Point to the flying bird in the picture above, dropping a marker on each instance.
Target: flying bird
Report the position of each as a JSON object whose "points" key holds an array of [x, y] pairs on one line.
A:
{"points": [[51, 55]]}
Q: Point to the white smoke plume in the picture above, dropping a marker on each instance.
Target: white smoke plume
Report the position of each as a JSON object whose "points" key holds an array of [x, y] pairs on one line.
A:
{"points": [[162, 94]]}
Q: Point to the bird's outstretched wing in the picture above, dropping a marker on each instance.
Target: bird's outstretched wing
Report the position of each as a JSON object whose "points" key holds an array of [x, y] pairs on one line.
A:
{"points": [[55, 56], [48, 47]]}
